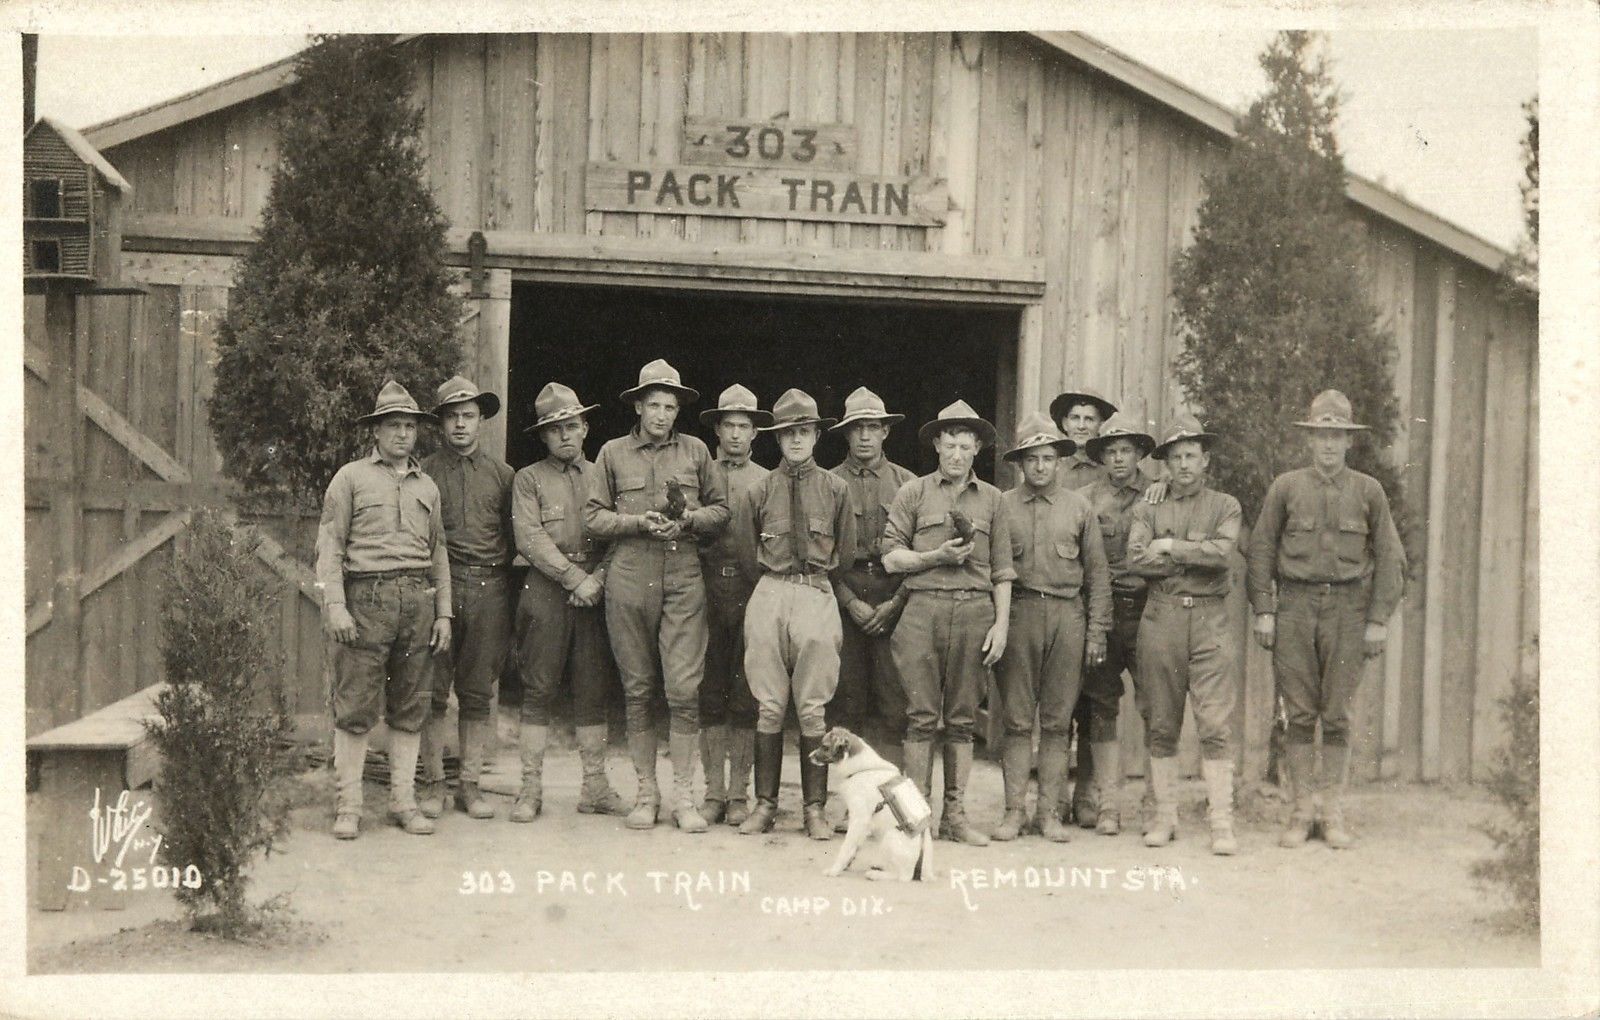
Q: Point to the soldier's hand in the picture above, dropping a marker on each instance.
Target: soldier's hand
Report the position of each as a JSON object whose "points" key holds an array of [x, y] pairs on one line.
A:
{"points": [[860, 613], [1266, 629], [994, 644], [440, 640], [1377, 634], [883, 618], [588, 592], [338, 624], [1156, 492], [1094, 649], [954, 552], [1161, 546]]}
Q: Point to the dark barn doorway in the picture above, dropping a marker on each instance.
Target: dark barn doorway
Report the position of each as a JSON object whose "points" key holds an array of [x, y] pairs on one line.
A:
{"points": [[918, 357]]}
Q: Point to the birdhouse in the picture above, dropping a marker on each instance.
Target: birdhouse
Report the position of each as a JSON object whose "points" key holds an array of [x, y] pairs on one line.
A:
{"points": [[71, 200]]}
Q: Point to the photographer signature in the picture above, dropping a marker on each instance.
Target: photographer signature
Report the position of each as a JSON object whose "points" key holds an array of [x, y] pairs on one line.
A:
{"points": [[117, 825]]}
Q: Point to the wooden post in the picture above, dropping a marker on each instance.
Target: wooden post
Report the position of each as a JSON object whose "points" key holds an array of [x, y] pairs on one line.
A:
{"points": [[494, 354], [1438, 496], [66, 505]]}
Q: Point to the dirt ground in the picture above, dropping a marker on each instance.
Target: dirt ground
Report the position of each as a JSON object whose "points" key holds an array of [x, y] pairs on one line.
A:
{"points": [[490, 896]]}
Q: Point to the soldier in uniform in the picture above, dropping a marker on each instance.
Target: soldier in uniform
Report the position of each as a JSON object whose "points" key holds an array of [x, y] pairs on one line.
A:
{"points": [[561, 626], [384, 572], [655, 493], [948, 532], [791, 529], [1118, 448], [475, 497], [1326, 572], [1079, 414], [727, 709], [869, 684], [1055, 543], [1182, 545]]}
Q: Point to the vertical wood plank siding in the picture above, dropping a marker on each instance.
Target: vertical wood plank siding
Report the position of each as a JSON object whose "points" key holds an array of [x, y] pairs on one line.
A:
{"points": [[1042, 158]]}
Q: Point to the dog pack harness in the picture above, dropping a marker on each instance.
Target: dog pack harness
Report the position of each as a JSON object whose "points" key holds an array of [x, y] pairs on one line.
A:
{"points": [[901, 796]]}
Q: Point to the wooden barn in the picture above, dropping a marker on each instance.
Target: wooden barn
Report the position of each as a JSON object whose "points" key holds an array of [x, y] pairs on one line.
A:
{"points": [[940, 215]]}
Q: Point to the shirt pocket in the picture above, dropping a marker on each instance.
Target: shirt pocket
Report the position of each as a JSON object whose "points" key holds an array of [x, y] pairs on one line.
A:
{"points": [[689, 481], [932, 532], [1066, 548], [630, 495], [774, 538], [1351, 542], [416, 516], [1112, 537], [371, 518], [982, 528], [1299, 539], [822, 538]]}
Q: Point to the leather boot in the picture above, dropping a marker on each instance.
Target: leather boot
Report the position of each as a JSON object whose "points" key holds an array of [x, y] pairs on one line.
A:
{"points": [[1299, 761], [1015, 762], [684, 748], [1052, 780], [349, 759], [403, 751], [1108, 781], [430, 796], [1085, 809], [713, 754], [475, 740], [954, 824], [647, 803], [1147, 800], [530, 796], [814, 790], [919, 766], [741, 753], [1164, 778], [1336, 775], [597, 796], [769, 772], [1219, 805]]}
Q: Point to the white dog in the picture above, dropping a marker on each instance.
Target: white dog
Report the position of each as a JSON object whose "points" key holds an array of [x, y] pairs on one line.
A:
{"points": [[881, 802]]}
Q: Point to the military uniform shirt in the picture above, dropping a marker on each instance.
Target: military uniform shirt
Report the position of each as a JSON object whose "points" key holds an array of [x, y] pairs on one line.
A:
{"points": [[872, 489], [547, 518], [1318, 529], [919, 519], [1055, 546], [475, 495], [630, 478], [1080, 471], [1204, 527], [722, 550], [1113, 505], [377, 519], [763, 522]]}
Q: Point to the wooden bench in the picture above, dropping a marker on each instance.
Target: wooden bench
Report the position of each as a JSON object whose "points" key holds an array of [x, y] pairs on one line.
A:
{"points": [[108, 751]]}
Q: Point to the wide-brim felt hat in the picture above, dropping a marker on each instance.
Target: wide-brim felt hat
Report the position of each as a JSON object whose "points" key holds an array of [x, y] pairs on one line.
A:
{"points": [[1330, 409], [556, 403], [865, 405], [1182, 430], [394, 399], [736, 399], [961, 414], [1036, 431], [461, 389], [1118, 427], [795, 407], [660, 375], [1064, 402]]}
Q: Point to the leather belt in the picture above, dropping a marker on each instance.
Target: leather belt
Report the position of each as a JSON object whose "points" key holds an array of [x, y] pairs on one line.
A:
{"points": [[818, 581], [1187, 601], [958, 594], [1031, 593], [729, 571], [476, 570], [870, 565], [1319, 586], [423, 573]]}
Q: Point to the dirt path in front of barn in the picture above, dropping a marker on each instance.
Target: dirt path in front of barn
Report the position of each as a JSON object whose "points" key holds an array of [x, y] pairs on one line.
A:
{"points": [[583, 893]]}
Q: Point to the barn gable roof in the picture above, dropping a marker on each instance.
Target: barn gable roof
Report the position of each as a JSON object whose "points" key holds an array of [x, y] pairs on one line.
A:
{"points": [[84, 151], [1082, 49]]}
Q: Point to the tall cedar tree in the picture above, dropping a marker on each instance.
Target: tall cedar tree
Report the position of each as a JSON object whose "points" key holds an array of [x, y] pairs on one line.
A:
{"points": [[1271, 295], [345, 287], [1522, 266]]}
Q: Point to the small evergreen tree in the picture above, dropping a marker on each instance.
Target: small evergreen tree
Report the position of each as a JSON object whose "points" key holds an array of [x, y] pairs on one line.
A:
{"points": [[345, 286], [1522, 267], [1271, 295], [222, 723], [1514, 782]]}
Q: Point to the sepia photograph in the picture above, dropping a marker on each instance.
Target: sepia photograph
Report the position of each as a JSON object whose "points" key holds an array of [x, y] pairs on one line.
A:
{"points": [[694, 500]]}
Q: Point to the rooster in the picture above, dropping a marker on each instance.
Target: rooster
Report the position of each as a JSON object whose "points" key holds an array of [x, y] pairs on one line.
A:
{"points": [[677, 505], [962, 525]]}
